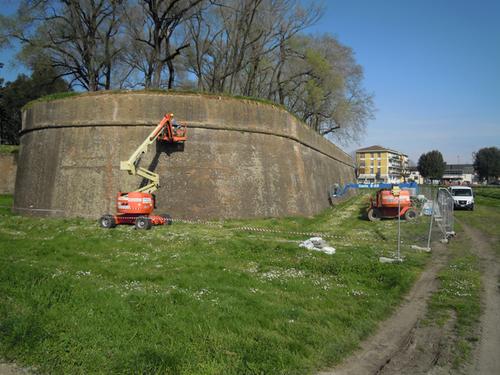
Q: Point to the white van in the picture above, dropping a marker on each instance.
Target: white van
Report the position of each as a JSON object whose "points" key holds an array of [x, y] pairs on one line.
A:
{"points": [[463, 197]]}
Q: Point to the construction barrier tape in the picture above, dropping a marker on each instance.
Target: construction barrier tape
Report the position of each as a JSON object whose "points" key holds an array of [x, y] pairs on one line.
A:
{"points": [[219, 224]]}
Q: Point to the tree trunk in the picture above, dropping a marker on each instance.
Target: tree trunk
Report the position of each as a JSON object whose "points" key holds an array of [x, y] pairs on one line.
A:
{"points": [[171, 73]]}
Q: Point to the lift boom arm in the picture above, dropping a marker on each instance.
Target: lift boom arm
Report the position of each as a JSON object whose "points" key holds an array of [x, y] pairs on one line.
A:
{"points": [[163, 131]]}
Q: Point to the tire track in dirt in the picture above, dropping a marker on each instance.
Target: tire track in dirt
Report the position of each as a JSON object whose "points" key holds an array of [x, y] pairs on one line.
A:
{"points": [[13, 369], [396, 333], [487, 353]]}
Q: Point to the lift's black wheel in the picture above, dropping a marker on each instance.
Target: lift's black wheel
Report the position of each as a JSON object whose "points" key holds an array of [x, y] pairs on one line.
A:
{"points": [[168, 219], [374, 214], [411, 214], [107, 221], [143, 222]]}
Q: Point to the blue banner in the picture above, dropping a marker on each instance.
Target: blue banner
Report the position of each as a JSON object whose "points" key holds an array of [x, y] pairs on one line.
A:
{"points": [[341, 190]]}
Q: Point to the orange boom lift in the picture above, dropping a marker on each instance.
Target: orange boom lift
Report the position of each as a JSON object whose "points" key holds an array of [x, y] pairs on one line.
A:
{"points": [[136, 207], [387, 205]]}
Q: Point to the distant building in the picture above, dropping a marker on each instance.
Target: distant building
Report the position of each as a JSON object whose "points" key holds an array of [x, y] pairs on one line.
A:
{"points": [[380, 164], [459, 174], [415, 176]]}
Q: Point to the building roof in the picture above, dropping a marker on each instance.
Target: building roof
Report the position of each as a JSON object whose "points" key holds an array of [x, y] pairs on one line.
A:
{"points": [[379, 148], [462, 168]]}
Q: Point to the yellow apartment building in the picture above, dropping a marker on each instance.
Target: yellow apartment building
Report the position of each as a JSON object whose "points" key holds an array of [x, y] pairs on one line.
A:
{"points": [[380, 164]]}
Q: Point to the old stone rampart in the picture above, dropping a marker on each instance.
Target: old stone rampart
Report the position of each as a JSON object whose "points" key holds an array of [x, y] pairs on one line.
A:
{"points": [[8, 167], [242, 159]]}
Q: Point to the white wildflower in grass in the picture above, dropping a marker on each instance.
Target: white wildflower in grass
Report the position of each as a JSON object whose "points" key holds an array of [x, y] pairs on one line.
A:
{"points": [[252, 267], [80, 274], [282, 275], [58, 273], [461, 288], [322, 282], [356, 293], [198, 295], [133, 286], [174, 288]]}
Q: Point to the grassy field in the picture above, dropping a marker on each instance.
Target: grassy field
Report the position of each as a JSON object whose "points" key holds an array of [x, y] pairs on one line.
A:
{"points": [[458, 298], [460, 289], [488, 192], [487, 214], [196, 299]]}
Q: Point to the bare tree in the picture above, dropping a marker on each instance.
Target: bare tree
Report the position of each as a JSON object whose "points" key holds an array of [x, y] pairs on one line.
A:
{"points": [[78, 36], [153, 41], [255, 48], [226, 29], [322, 84], [242, 47], [233, 41]]}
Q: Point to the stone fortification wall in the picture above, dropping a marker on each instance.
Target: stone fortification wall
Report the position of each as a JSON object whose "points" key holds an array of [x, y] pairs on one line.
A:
{"points": [[242, 158], [8, 167]]}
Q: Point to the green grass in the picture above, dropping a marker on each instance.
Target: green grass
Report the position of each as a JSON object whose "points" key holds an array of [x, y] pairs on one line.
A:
{"points": [[196, 299], [460, 281], [9, 149], [488, 192], [486, 214], [459, 293]]}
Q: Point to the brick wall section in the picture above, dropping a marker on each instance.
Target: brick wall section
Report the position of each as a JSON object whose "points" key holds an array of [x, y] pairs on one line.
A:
{"points": [[8, 167], [242, 158]]}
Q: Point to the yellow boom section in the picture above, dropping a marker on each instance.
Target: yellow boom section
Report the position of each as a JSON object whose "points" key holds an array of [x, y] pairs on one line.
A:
{"points": [[131, 165]]}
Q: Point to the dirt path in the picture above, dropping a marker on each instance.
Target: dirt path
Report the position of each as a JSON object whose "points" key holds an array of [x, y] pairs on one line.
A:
{"points": [[398, 332], [487, 354], [403, 346], [12, 369]]}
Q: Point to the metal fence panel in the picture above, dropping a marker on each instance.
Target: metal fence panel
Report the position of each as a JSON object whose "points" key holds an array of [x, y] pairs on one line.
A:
{"points": [[439, 202], [446, 217]]}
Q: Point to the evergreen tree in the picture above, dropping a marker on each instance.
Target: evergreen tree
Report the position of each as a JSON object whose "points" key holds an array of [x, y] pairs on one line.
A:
{"points": [[431, 165], [487, 163], [14, 95]]}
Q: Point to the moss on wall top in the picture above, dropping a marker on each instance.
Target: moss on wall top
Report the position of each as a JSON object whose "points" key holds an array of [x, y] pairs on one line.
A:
{"points": [[66, 95]]}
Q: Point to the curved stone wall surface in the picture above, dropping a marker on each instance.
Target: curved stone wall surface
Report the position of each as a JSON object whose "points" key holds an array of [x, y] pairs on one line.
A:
{"points": [[8, 167], [242, 158]]}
